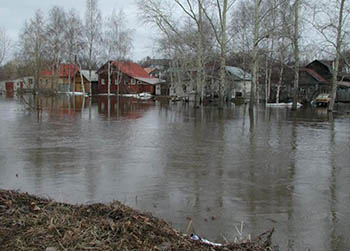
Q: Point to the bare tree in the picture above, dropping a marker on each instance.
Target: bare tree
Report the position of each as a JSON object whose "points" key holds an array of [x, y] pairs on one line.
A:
{"points": [[56, 43], [117, 42], [296, 53], [338, 47], [74, 43], [117, 37], [220, 33], [331, 21], [189, 8], [92, 32], [186, 35], [255, 59], [32, 44], [73, 36], [5, 44]]}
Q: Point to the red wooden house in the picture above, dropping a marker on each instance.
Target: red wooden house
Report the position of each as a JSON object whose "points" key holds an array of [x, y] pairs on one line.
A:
{"points": [[126, 78]]}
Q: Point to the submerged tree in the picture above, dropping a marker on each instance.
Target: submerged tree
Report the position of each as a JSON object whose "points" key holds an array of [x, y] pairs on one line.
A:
{"points": [[220, 32], [92, 32], [296, 54], [186, 39]]}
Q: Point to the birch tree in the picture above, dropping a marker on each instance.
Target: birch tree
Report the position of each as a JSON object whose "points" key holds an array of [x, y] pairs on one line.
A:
{"points": [[117, 42], [338, 48], [331, 21], [55, 42], [189, 8], [296, 7], [161, 13], [5, 44], [32, 45], [92, 32], [73, 35], [255, 59], [74, 43], [220, 33]]}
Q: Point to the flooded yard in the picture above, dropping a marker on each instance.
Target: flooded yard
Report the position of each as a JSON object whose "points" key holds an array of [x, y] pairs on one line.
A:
{"points": [[218, 168]]}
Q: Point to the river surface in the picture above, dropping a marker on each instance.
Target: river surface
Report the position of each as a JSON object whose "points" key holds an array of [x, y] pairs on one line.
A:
{"points": [[218, 168]]}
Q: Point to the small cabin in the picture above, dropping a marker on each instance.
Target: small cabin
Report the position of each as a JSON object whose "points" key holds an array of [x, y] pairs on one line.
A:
{"points": [[125, 78]]}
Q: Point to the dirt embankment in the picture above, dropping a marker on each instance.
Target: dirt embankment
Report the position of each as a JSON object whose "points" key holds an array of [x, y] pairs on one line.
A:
{"points": [[31, 223]]}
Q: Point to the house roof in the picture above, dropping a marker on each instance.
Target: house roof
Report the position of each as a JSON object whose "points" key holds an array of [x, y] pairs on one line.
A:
{"points": [[66, 70], [314, 74], [149, 69], [151, 81], [86, 74], [327, 63], [131, 69], [344, 84], [238, 73]]}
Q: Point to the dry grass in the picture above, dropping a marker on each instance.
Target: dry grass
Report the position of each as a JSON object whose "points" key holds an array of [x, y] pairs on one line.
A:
{"points": [[31, 223]]}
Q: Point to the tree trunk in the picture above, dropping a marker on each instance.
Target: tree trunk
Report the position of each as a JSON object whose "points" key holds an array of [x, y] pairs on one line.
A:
{"points": [[336, 66], [279, 83], [223, 53], [81, 79], [109, 78], [199, 79], [255, 56], [296, 55], [266, 79]]}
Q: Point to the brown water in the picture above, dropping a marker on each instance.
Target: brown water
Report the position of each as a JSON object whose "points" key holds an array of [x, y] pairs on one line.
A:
{"points": [[273, 168]]}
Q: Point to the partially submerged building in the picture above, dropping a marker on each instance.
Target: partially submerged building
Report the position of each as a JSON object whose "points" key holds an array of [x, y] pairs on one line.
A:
{"points": [[239, 82], [315, 79], [24, 84], [126, 78]]}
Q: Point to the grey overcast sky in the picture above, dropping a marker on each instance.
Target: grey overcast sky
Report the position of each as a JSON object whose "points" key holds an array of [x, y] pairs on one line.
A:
{"points": [[13, 13]]}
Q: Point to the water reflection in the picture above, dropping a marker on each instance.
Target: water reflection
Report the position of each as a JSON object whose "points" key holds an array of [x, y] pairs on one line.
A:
{"points": [[270, 168]]}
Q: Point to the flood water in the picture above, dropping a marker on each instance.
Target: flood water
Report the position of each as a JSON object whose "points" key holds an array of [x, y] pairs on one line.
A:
{"points": [[274, 168]]}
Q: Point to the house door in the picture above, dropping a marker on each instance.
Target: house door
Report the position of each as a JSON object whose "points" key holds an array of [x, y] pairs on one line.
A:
{"points": [[78, 87], [9, 86]]}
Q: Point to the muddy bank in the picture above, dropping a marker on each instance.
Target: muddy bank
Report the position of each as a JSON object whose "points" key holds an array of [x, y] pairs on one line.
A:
{"points": [[31, 223]]}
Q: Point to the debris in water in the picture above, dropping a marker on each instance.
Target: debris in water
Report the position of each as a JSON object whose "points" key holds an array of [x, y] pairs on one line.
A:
{"points": [[197, 238]]}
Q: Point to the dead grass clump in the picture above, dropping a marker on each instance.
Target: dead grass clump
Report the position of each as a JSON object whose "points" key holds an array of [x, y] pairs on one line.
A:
{"points": [[31, 223]]}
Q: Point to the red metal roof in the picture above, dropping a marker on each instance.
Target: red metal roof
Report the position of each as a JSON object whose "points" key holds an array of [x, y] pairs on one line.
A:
{"points": [[66, 70], [314, 74], [131, 69]]}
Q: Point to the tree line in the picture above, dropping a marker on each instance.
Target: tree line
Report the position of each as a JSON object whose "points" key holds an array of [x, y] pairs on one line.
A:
{"points": [[63, 36], [269, 38]]}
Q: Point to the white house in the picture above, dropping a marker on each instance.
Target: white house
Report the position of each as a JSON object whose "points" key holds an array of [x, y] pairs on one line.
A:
{"points": [[241, 81], [25, 84]]}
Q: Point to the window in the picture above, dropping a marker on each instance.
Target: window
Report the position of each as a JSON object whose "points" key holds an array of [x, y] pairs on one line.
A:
{"points": [[133, 81], [103, 81]]}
